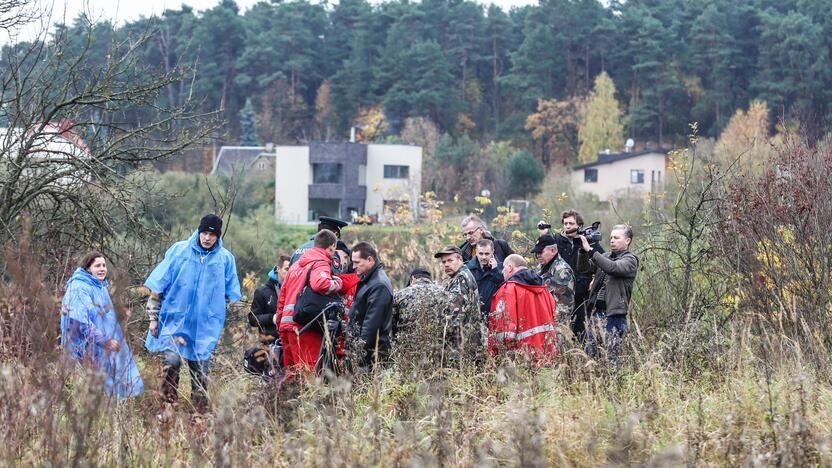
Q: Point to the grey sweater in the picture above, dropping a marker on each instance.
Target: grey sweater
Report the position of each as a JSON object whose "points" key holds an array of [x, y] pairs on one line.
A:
{"points": [[619, 274]]}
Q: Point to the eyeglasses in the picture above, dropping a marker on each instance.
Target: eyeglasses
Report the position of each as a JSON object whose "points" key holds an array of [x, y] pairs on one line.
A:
{"points": [[470, 233]]}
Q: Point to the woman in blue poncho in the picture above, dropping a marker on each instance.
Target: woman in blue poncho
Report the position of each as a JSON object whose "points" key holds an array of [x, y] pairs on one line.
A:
{"points": [[90, 332]]}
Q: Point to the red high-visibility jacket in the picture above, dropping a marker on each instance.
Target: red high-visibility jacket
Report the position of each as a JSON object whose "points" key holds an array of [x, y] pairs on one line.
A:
{"points": [[303, 349], [523, 317]]}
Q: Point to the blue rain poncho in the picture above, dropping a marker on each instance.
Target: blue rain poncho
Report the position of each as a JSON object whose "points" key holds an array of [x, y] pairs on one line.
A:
{"points": [[88, 321], [194, 285]]}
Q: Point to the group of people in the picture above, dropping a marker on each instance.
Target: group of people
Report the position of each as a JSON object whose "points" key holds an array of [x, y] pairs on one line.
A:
{"points": [[329, 300]]}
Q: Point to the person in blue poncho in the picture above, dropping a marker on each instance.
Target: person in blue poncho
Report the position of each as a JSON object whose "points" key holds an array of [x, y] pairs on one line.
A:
{"points": [[90, 332], [189, 291]]}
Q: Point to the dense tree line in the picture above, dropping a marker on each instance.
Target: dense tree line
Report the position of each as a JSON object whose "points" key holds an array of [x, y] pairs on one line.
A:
{"points": [[311, 70]]}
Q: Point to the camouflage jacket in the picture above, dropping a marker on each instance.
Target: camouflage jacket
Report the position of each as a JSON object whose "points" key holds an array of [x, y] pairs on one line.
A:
{"points": [[560, 280], [464, 330], [418, 311], [422, 301]]}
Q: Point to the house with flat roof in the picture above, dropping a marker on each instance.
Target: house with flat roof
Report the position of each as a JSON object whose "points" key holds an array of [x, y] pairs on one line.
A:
{"points": [[619, 173], [345, 180]]}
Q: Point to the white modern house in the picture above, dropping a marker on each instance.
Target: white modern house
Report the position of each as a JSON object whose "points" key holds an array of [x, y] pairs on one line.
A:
{"points": [[614, 174], [345, 180]]}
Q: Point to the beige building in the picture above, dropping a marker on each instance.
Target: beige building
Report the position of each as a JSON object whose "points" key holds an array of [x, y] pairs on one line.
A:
{"points": [[345, 180], [615, 174]]}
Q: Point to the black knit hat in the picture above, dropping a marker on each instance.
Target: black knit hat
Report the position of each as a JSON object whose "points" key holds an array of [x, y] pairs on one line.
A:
{"points": [[420, 272], [343, 248], [211, 223]]}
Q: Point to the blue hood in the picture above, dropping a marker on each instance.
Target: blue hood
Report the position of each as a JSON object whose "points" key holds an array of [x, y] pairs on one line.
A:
{"points": [[85, 277], [88, 321], [195, 285]]}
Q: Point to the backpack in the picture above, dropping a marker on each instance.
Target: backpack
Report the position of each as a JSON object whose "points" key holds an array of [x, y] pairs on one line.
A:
{"points": [[309, 305]]}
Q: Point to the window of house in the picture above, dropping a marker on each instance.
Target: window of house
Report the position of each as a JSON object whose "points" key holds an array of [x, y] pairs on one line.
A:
{"points": [[261, 166], [637, 176], [591, 175], [396, 172], [326, 173], [362, 174], [323, 207]]}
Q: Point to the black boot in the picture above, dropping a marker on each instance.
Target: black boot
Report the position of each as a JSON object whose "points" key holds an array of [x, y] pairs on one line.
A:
{"points": [[170, 384]]}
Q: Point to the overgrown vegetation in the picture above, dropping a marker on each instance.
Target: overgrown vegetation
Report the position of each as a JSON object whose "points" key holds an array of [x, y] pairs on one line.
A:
{"points": [[727, 362], [728, 358]]}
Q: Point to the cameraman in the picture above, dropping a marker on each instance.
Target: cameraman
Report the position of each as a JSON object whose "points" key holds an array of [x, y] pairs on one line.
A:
{"points": [[570, 249]]}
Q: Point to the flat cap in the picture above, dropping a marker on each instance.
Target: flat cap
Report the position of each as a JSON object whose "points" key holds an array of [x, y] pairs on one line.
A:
{"points": [[449, 249], [542, 242]]}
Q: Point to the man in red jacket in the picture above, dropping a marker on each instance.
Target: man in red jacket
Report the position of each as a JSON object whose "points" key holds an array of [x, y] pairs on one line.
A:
{"points": [[522, 314], [300, 351]]}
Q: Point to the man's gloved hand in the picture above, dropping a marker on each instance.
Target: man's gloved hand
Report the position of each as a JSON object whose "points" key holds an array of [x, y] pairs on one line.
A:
{"points": [[152, 307]]}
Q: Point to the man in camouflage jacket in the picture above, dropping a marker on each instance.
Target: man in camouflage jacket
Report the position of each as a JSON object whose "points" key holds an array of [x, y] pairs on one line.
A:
{"points": [[464, 332], [558, 276], [418, 316]]}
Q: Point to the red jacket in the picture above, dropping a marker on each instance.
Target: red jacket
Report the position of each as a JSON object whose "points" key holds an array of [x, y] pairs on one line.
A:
{"points": [[321, 280], [523, 317], [347, 292]]}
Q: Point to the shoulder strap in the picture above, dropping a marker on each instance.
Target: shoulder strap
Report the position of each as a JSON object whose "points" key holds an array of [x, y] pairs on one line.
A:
{"points": [[309, 272]]}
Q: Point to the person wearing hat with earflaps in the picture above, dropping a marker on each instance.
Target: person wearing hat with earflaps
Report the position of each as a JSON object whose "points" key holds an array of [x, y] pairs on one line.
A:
{"points": [[189, 291]]}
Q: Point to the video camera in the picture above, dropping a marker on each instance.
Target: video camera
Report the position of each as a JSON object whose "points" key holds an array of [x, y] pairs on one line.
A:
{"points": [[592, 234]]}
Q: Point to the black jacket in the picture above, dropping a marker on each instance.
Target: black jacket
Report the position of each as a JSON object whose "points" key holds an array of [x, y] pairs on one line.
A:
{"points": [[371, 314], [488, 282], [572, 252], [501, 249], [264, 306]]}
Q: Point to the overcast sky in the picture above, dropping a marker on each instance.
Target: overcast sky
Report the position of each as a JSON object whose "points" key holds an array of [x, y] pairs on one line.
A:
{"points": [[121, 11], [129, 10]]}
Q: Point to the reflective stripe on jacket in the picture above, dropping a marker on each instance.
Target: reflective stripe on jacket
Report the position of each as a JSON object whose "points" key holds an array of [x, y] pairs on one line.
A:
{"points": [[522, 317], [321, 280]]}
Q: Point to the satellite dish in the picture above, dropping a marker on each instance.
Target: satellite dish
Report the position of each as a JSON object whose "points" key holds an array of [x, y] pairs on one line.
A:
{"points": [[628, 146]]}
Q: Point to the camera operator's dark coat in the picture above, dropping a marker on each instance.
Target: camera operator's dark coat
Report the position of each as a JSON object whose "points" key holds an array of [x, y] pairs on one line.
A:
{"points": [[488, 282], [371, 314], [501, 249], [264, 306], [571, 250]]}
